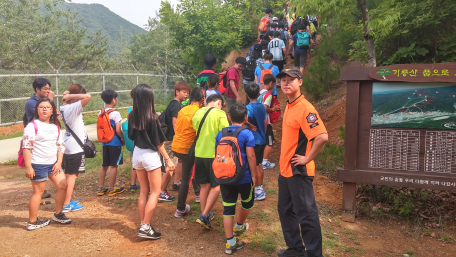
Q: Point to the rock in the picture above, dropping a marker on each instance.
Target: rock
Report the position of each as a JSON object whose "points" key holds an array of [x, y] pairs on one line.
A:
{"points": [[433, 234], [405, 255]]}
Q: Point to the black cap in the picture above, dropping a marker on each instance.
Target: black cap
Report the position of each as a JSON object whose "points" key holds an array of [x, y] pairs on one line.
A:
{"points": [[293, 72], [257, 47]]}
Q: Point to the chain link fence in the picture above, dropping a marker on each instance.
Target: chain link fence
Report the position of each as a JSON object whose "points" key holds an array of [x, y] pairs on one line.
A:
{"points": [[16, 88]]}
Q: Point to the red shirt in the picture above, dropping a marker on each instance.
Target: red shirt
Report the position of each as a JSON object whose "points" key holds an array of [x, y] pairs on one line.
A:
{"points": [[232, 74]]}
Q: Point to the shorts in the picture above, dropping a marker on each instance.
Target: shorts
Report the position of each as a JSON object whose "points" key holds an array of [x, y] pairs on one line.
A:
{"points": [[230, 195], [73, 163], [112, 155], [169, 150], [269, 135], [145, 159], [259, 152], [204, 173], [300, 59], [42, 172]]}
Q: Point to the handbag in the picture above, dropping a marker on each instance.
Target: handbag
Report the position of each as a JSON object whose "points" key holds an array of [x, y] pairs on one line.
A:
{"points": [[191, 151], [88, 147]]}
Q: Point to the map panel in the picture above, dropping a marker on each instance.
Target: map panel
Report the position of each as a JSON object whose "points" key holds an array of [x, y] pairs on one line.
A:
{"points": [[414, 105]]}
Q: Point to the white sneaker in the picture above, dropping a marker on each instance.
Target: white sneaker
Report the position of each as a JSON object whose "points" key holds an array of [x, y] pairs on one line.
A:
{"points": [[180, 214]]}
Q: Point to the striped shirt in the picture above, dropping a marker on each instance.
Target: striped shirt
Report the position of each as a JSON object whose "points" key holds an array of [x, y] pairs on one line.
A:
{"points": [[275, 46]]}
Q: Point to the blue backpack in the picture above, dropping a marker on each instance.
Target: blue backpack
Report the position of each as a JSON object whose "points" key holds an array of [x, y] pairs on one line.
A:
{"points": [[303, 40]]}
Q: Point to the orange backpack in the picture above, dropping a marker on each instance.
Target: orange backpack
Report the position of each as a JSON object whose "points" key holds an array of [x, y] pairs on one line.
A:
{"points": [[264, 72], [105, 131], [264, 24], [227, 165]]}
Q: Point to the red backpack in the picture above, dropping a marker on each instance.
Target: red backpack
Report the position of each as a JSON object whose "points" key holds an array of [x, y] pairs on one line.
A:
{"points": [[264, 72], [105, 132], [264, 24], [223, 80], [275, 115], [227, 165]]}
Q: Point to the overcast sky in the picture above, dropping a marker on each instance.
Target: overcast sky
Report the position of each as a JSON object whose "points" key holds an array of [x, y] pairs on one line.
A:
{"points": [[135, 11]]}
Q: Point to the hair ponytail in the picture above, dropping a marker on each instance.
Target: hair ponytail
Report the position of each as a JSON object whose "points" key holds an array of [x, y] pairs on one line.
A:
{"points": [[267, 55]]}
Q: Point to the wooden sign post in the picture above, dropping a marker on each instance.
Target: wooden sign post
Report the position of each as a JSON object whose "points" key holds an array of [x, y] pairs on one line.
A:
{"points": [[400, 128]]}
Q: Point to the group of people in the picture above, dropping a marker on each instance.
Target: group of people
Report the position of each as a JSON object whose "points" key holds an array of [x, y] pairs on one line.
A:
{"points": [[192, 141]]}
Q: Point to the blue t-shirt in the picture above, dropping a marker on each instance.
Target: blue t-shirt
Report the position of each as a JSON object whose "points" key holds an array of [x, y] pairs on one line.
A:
{"points": [[297, 49], [257, 115], [275, 71], [30, 106], [245, 139]]}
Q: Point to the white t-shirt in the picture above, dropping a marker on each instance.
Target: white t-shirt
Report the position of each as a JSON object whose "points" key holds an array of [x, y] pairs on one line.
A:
{"points": [[72, 115], [43, 145], [115, 115]]}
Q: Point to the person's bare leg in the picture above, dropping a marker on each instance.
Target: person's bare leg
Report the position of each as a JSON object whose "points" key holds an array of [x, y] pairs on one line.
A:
{"points": [[102, 176], [242, 215], [112, 176], [35, 200], [204, 193], [267, 152], [154, 183], [301, 69], [132, 176], [261, 172], [143, 192], [165, 178], [228, 225], [61, 184], [178, 172], [71, 180], [211, 199]]}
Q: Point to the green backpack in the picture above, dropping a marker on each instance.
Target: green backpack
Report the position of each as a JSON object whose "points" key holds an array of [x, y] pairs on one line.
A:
{"points": [[303, 40]]}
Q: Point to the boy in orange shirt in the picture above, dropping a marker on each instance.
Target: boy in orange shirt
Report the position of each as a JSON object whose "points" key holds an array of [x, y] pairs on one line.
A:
{"points": [[303, 136]]}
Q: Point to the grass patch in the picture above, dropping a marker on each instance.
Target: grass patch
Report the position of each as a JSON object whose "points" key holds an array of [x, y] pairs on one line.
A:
{"points": [[410, 252], [331, 243], [17, 175], [266, 241], [10, 162], [13, 135], [131, 199]]}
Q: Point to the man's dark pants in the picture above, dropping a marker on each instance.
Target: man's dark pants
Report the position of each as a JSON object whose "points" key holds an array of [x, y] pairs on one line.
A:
{"points": [[299, 214], [187, 171]]}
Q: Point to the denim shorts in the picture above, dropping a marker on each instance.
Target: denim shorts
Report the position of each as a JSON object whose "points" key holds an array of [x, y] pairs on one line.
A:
{"points": [[42, 172]]}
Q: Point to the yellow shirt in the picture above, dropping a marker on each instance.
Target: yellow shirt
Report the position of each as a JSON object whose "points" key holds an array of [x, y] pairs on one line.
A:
{"points": [[184, 134]]}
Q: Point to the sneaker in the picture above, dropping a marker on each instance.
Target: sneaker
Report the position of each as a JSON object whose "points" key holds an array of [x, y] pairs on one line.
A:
{"points": [[205, 222], [197, 198], [238, 232], [102, 191], [74, 202], [230, 249], [115, 191], [45, 195], [180, 214], [210, 216], [39, 223], [268, 165], [72, 207], [166, 197], [149, 233], [134, 188], [61, 218], [260, 195], [290, 252], [174, 187]]}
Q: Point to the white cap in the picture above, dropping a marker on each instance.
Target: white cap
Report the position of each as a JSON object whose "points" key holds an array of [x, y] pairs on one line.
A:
{"points": [[275, 18]]}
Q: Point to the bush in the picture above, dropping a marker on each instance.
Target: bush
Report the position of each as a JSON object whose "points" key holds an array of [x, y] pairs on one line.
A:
{"points": [[323, 76]]}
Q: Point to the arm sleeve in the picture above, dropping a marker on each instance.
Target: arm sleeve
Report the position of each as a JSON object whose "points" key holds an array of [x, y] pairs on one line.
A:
{"points": [[28, 139], [311, 123], [29, 110], [230, 75], [175, 110], [155, 133], [116, 116], [250, 139], [268, 100], [223, 121]]}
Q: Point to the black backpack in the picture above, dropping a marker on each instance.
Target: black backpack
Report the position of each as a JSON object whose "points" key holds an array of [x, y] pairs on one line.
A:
{"points": [[294, 26], [162, 120], [249, 72]]}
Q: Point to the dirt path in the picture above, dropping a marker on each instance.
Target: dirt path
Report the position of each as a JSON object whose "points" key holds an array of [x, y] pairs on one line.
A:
{"points": [[109, 225]]}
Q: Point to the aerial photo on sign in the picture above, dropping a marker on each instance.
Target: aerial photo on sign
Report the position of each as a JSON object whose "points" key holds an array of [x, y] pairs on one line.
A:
{"points": [[414, 105]]}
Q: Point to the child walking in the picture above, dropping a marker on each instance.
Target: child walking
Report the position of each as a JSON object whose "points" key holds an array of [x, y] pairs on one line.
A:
{"points": [[112, 150], [266, 99], [244, 187], [144, 130], [73, 160], [43, 150], [257, 121]]}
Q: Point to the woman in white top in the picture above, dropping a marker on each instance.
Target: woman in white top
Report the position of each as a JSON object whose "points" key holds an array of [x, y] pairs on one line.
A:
{"points": [[43, 150]]}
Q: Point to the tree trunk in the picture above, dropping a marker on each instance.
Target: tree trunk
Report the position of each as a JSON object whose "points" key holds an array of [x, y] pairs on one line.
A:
{"points": [[371, 58]]}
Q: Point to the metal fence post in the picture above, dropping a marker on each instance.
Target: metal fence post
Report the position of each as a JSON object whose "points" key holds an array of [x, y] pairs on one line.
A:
{"points": [[165, 87], [104, 104], [137, 72]]}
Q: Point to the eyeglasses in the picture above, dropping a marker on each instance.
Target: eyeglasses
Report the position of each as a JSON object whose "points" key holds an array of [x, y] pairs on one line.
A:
{"points": [[45, 107], [46, 88]]}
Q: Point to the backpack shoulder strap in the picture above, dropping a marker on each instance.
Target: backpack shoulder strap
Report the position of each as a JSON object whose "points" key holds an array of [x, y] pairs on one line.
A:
{"points": [[238, 131], [58, 135], [35, 126], [270, 66], [261, 66]]}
